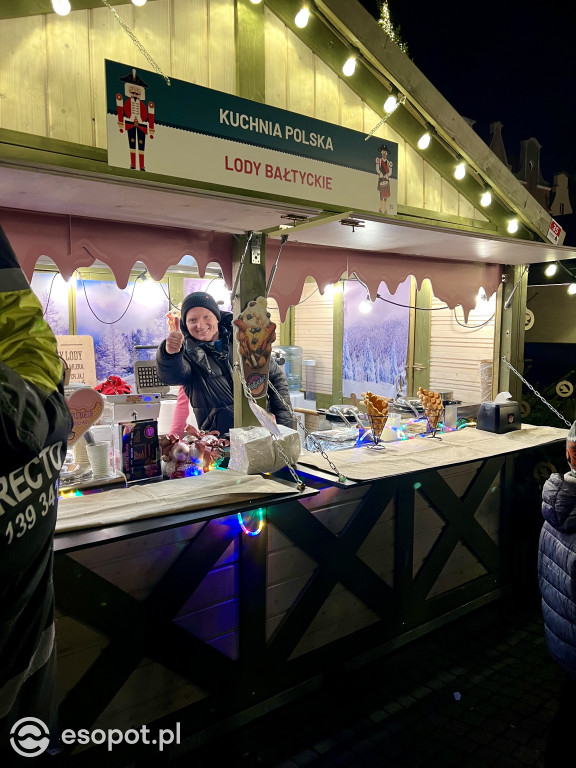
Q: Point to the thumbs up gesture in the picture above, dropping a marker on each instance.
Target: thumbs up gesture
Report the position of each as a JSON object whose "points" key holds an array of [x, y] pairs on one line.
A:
{"points": [[174, 342]]}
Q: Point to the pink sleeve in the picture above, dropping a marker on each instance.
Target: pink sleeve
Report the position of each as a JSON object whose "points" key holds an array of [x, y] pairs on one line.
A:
{"points": [[180, 413]]}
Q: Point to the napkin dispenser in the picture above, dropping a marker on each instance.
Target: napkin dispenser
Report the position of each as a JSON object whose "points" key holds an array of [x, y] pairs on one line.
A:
{"points": [[499, 416]]}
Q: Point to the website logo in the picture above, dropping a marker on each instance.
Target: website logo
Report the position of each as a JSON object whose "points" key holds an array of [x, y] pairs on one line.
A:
{"points": [[29, 737]]}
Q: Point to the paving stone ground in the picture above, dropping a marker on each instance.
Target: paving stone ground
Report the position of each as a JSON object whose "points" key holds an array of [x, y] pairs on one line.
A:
{"points": [[480, 692]]}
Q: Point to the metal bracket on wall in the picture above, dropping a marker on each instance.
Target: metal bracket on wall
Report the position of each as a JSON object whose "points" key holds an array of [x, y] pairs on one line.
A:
{"points": [[255, 247]]}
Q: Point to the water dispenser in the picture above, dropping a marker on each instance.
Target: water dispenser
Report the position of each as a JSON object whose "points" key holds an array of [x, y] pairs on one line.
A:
{"points": [[292, 366]]}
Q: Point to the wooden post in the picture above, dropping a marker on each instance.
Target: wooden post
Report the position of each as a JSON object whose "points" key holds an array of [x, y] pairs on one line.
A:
{"points": [[337, 342], [421, 335], [512, 330], [252, 283]]}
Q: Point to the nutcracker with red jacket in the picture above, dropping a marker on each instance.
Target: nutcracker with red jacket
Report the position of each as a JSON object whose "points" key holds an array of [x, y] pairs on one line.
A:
{"points": [[135, 117]]}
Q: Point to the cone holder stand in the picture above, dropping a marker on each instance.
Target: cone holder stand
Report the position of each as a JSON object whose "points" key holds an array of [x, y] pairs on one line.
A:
{"points": [[377, 424], [437, 418]]}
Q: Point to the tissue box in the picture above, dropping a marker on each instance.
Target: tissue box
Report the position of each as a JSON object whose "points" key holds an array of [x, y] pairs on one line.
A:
{"points": [[499, 417]]}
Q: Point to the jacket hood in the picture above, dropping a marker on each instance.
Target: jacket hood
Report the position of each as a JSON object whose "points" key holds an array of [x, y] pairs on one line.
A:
{"points": [[559, 502]]}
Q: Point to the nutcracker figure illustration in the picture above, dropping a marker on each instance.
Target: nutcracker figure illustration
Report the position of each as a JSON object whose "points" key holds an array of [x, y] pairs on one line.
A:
{"points": [[135, 117], [384, 171]]}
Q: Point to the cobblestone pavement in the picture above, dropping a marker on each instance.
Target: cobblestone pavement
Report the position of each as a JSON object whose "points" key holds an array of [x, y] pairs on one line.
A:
{"points": [[478, 692]]}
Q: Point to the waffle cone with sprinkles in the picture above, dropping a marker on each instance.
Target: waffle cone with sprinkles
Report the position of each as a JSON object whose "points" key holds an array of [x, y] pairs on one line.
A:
{"points": [[432, 404], [377, 410]]}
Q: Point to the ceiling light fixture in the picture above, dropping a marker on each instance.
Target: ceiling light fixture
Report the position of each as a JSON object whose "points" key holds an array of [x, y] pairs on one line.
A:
{"points": [[349, 66], [486, 198], [302, 17], [61, 7], [551, 270], [460, 171], [512, 226]]}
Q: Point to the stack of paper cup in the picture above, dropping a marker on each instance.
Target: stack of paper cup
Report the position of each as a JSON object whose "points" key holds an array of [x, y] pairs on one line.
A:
{"points": [[99, 455]]}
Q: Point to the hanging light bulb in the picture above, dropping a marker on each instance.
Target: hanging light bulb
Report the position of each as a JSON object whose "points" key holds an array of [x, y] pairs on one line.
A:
{"points": [[460, 171], [551, 270], [139, 2], [365, 306], [512, 226], [486, 198], [390, 104], [349, 66], [572, 289], [424, 140], [61, 7], [302, 17]]}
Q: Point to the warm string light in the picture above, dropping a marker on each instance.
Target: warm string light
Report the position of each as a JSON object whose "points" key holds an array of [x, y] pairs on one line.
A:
{"points": [[512, 226], [302, 17], [139, 3], [460, 171], [424, 140], [486, 198], [365, 306], [551, 270], [349, 66], [61, 7]]}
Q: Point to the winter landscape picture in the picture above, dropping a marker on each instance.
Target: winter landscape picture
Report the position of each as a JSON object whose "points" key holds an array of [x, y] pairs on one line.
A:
{"points": [[216, 287], [101, 312], [375, 344], [52, 292]]}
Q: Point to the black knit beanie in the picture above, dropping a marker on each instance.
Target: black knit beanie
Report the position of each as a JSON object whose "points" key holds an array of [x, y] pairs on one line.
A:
{"points": [[198, 299]]}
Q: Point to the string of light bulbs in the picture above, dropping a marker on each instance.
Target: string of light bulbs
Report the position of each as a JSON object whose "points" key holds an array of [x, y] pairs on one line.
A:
{"points": [[551, 270], [393, 101], [63, 7]]}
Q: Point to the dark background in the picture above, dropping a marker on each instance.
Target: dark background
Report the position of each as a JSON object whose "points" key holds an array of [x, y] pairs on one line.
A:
{"points": [[510, 61]]}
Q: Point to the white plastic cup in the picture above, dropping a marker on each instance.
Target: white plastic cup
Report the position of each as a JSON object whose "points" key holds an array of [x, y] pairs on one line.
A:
{"points": [[99, 456]]}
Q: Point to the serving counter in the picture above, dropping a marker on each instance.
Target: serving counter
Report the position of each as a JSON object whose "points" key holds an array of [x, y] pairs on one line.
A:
{"points": [[213, 613]]}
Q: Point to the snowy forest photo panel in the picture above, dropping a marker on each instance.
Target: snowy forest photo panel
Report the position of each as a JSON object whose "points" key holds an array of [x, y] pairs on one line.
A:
{"points": [[375, 345], [118, 319]]}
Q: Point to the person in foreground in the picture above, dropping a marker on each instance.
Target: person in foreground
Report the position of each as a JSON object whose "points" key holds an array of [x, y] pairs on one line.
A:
{"points": [[199, 357], [557, 581], [34, 426]]}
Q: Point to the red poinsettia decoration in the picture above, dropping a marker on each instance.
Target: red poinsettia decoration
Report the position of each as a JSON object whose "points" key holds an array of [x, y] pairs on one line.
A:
{"points": [[209, 445], [114, 385]]}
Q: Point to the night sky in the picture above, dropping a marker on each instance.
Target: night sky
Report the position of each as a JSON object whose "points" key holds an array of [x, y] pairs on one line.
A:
{"points": [[510, 61]]}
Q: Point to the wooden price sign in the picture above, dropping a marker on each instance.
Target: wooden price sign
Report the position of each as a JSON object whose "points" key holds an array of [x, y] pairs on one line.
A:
{"points": [[78, 353]]}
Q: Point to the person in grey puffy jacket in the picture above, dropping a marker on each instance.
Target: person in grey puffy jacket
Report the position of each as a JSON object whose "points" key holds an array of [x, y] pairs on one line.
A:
{"points": [[557, 581], [199, 357], [557, 569]]}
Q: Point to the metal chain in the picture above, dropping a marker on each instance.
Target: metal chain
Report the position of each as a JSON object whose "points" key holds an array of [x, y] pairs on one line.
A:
{"points": [[135, 40], [536, 393], [249, 396], [373, 131], [317, 445]]}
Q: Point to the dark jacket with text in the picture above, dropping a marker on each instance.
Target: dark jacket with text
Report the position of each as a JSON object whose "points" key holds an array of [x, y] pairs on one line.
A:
{"points": [[34, 428]]}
